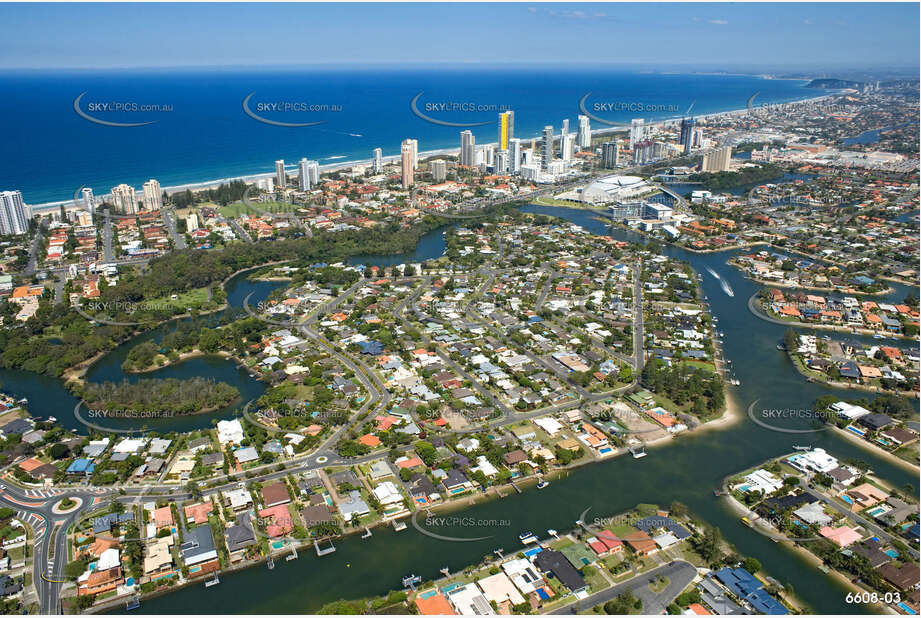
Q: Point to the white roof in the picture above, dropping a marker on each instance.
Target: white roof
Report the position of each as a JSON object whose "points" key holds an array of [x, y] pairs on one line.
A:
{"points": [[469, 601], [130, 445], [109, 559], [238, 497], [550, 425], [387, 493], [229, 431]]}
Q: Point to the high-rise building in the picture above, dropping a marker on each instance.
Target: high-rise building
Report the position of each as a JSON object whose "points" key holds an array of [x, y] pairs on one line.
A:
{"points": [[14, 214], [191, 222], [584, 137], [610, 155], [313, 172], [439, 170], [489, 154], [377, 164], [124, 199], [546, 147], [566, 142], [407, 166], [414, 144], [153, 196], [89, 201], [565, 129], [514, 155], [468, 148], [281, 178], [501, 162], [82, 218], [697, 141], [506, 129], [717, 160], [303, 175], [687, 134], [643, 152], [637, 132]]}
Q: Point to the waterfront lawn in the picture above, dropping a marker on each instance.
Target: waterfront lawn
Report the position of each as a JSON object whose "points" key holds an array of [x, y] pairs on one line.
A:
{"points": [[705, 365], [232, 211], [193, 299], [552, 201], [909, 453]]}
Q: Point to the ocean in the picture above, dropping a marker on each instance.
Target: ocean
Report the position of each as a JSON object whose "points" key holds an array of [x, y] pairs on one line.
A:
{"points": [[201, 132]]}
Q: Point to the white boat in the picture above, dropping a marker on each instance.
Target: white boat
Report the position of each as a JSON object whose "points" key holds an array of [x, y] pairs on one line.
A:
{"points": [[527, 537], [542, 484], [552, 532]]}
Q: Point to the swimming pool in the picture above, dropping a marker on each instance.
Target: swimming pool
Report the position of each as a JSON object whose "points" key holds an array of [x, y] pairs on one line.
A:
{"points": [[907, 609], [278, 544]]}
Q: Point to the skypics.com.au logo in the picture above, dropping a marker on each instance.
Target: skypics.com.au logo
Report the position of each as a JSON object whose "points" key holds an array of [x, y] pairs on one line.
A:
{"points": [[292, 113], [116, 113]]}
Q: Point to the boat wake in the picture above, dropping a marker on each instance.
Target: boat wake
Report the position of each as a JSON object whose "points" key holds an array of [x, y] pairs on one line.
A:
{"points": [[723, 283]]}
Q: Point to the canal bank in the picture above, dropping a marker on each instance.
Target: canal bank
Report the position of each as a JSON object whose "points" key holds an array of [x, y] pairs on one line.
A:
{"points": [[685, 470]]}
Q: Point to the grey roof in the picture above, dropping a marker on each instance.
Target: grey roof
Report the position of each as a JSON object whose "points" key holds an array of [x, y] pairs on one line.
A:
{"points": [[212, 459], [198, 545], [241, 535]]}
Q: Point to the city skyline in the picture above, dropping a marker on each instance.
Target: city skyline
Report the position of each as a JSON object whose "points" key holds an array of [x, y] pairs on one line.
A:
{"points": [[830, 35]]}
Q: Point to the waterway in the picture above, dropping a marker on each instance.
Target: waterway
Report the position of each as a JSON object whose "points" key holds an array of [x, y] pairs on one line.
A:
{"points": [[686, 470], [48, 397]]}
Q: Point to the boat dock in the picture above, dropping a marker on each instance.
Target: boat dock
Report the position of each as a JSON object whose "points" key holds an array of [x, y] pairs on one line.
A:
{"points": [[367, 534], [326, 551], [213, 582], [293, 555]]}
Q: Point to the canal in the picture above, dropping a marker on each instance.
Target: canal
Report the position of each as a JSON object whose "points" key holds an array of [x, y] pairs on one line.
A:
{"points": [[686, 469]]}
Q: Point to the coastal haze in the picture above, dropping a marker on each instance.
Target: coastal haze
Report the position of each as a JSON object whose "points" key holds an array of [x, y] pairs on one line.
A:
{"points": [[460, 309]]}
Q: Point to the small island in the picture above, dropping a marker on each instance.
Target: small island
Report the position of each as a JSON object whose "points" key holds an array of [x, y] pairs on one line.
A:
{"points": [[159, 397]]}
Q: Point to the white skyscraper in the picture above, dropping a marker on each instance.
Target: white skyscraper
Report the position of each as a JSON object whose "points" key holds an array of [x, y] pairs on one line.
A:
{"points": [[468, 148], [124, 199], [313, 172], [514, 155], [89, 201], [546, 147], [281, 178], [566, 143], [637, 132], [584, 139], [501, 161], [303, 174], [565, 128], [439, 170], [153, 196], [14, 214], [377, 163]]}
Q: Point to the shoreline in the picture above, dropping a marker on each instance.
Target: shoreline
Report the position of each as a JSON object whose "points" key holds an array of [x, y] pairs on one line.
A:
{"points": [[891, 457], [797, 549], [759, 313], [69, 204]]}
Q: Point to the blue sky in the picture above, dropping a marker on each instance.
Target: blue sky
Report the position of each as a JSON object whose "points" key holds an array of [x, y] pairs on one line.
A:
{"points": [[773, 36]]}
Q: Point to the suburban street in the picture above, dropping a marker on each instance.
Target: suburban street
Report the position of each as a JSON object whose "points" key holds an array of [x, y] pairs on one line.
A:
{"points": [[679, 574]]}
